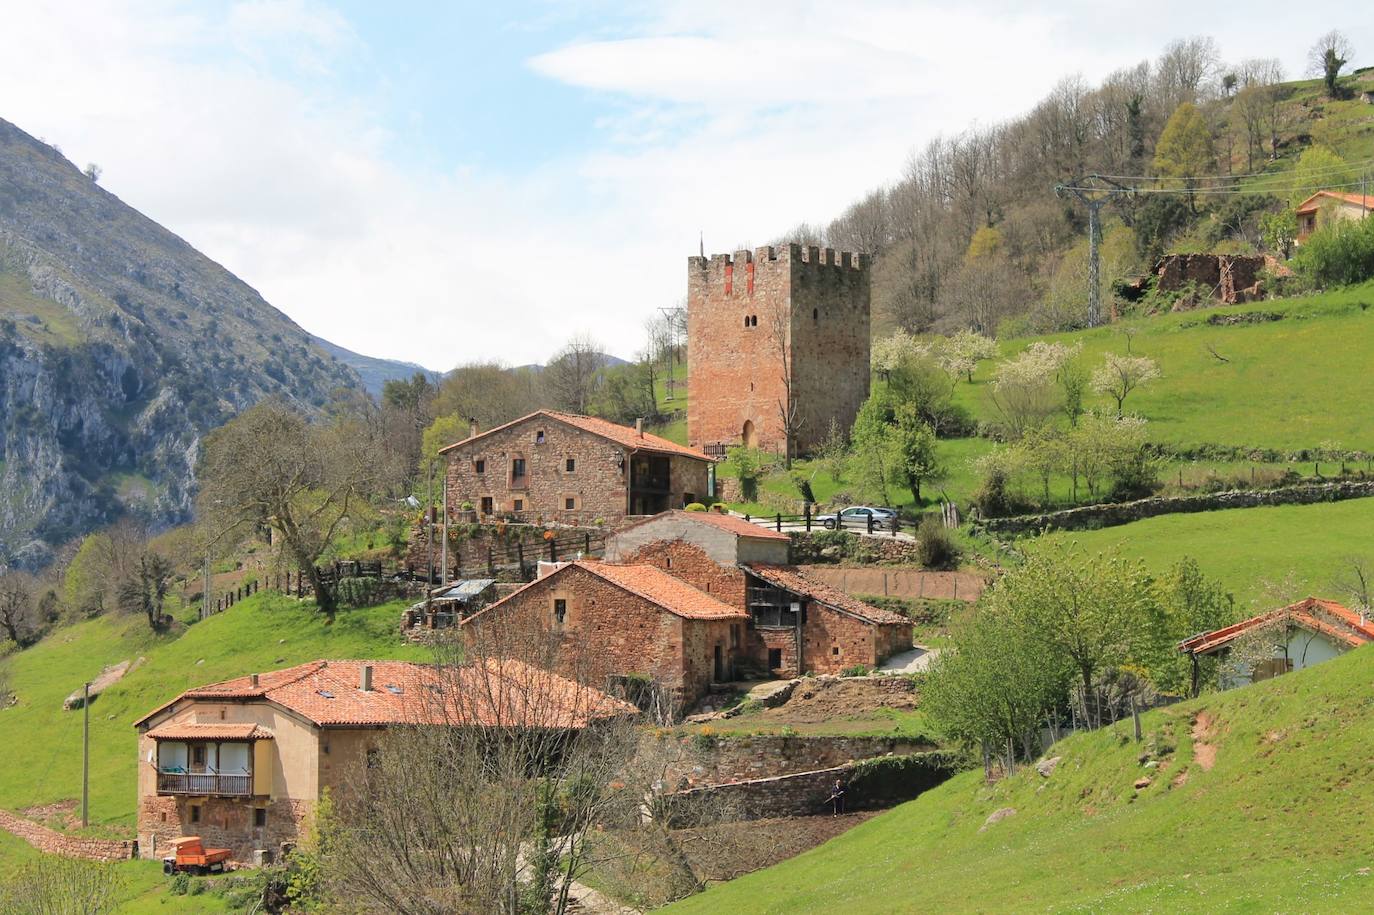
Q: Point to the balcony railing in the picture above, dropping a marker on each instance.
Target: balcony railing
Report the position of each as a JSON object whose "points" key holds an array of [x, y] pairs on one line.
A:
{"points": [[204, 784]]}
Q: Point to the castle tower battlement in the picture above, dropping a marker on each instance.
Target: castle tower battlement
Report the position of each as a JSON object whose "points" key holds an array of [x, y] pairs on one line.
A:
{"points": [[776, 337]]}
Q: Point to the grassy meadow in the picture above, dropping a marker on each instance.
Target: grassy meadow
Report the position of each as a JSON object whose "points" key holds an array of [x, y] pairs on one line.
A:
{"points": [[1258, 801]]}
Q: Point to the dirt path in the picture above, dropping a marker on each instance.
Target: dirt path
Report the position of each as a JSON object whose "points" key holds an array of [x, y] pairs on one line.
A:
{"points": [[1204, 751]]}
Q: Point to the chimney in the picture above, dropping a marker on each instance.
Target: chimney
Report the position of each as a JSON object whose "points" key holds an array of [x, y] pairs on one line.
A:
{"points": [[639, 427], [365, 678], [472, 427], [253, 679]]}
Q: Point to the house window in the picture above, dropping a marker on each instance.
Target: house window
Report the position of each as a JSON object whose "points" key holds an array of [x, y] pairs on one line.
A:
{"points": [[517, 467], [259, 817], [815, 314], [195, 813], [539, 437], [198, 755], [374, 758], [519, 505], [835, 651], [560, 609], [479, 466], [570, 465], [774, 658], [486, 505], [570, 503]]}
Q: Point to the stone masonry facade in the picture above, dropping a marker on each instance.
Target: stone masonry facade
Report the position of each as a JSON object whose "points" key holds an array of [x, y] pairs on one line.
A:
{"points": [[743, 313], [571, 476], [221, 822]]}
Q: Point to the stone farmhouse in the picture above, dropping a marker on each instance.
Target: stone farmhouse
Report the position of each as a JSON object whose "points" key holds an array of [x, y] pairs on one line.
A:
{"points": [[560, 467], [1325, 207], [695, 598], [1303, 633], [774, 334], [242, 763]]}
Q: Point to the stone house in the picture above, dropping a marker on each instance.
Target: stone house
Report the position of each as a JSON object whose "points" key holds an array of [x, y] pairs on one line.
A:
{"points": [[1325, 207], [796, 623], [1299, 635], [242, 763], [771, 332], [616, 623], [560, 467]]}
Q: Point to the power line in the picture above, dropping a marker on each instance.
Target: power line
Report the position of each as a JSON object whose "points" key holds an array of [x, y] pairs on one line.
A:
{"points": [[1316, 171], [1221, 192]]}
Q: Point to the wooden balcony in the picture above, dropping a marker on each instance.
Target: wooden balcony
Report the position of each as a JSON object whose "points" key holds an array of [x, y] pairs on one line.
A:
{"points": [[205, 784]]}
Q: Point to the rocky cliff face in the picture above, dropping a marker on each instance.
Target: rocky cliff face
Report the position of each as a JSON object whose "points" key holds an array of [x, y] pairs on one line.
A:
{"points": [[120, 347]]}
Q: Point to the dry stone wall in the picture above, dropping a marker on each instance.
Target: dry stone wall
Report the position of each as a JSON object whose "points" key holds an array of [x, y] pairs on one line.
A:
{"points": [[52, 842], [1110, 515]]}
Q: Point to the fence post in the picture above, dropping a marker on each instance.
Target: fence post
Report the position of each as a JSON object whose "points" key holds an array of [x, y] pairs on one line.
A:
{"points": [[587, 544], [520, 556], [808, 517], [491, 562], [779, 522], [746, 517], [870, 523], [896, 524], [553, 549]]}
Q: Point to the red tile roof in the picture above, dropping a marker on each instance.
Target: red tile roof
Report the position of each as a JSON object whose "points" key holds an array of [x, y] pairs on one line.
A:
{"points": [[494, 693], [1314, 202], [604, 428], [732, 523], [218, 730], [1324, 616], [790, 578], [649, 582]]}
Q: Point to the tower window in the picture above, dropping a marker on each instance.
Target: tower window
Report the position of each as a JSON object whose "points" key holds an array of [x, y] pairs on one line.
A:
{"points": [[746, 320], [815, 314], [560, 610]]}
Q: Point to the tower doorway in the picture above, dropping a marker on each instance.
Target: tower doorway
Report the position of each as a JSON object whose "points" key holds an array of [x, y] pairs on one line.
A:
{"points": [[748, 436]]}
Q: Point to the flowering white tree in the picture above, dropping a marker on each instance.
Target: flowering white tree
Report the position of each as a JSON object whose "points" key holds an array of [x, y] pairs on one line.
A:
{"points": [[1026, 389], [1119, 375]]}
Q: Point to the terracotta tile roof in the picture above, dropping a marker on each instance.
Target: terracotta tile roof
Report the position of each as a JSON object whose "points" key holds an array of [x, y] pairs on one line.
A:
{"points": [[1327, 617], [649, 582], [494, 693], [604, 428], [219, 730], [790, 578], [1315, 201], [732, 523]]}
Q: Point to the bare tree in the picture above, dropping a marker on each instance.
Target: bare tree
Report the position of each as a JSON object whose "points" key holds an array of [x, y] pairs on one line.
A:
{"points": [[1357, 583], [484, 803], [573, 374], [1185, 69], [55, 885], [1331, 52], [788, 404], [16, 608], [144, 590], [488, 393], [271, 468]]}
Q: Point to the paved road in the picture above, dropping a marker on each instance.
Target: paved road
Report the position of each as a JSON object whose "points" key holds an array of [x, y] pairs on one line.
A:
{"points": [[789, 527], [915, 661]]}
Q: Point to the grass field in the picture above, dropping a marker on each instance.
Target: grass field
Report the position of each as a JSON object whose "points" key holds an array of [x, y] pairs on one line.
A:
{"points": [[1246, 548], [1277, 822], [261, 633]]}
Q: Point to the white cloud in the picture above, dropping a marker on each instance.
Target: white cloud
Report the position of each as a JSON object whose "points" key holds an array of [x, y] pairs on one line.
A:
{"points": [[239, 130]]}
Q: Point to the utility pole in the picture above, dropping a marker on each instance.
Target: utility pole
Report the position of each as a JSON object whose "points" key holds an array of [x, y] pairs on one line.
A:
{"points": [[1094, 192], [86, 755], [205, 596], [429, 537]]}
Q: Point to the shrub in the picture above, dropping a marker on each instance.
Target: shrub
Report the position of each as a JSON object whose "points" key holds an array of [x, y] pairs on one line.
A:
{"points": [[180, 884], [695, 507], [934, 546], [803, 484], [746, 465], [1340, 254], [467, 506], [858, 670]]}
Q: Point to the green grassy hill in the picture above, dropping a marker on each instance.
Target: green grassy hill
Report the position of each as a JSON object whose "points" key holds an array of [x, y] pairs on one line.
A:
{"points": [[1260, 802]]}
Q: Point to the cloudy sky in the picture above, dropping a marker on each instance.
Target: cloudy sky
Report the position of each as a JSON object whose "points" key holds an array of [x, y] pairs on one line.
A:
{"points": [[448, 182]]}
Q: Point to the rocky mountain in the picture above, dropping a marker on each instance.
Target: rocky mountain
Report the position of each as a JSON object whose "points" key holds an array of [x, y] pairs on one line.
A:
{"points": [[120, 347]]}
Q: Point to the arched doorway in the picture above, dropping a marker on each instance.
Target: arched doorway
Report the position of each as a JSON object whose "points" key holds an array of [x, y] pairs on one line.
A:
{"points": [[748, 436]]}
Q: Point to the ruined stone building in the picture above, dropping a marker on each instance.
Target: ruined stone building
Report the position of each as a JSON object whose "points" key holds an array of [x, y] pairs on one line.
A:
{"points": [[776, 338], [560, 467]]}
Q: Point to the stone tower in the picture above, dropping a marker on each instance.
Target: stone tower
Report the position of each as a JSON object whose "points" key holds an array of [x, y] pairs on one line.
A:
{"points": [[771, 333]]}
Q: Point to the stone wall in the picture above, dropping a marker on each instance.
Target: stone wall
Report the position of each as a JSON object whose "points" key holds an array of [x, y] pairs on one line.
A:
{"points": [[468, 543], [1094, 516], [690, 563], [221, 823], [867, 786], [905, 583], [52, 842], [1225, 278], [698, 760], [742, 310]]}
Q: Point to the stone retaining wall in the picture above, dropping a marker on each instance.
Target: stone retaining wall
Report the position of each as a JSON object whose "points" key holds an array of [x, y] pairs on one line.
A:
{"points": [[1094, 516], [807, 793], [56, 843], [701, 760], [906, 583]]}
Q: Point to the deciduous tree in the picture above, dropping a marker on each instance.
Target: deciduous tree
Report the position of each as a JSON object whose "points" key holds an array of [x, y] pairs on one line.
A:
{"points": [[1327, 56], [1119, 375]]}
